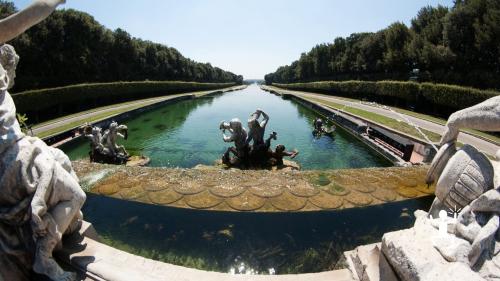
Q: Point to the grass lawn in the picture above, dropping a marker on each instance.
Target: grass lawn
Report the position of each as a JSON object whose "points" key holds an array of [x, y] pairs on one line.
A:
{"points": [[128, 106], [490, 137], [383, 120], [71, 125], [145, 102]]}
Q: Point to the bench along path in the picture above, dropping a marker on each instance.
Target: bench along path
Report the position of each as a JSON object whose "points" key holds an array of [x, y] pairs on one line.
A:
{"points": [[483, 145]]}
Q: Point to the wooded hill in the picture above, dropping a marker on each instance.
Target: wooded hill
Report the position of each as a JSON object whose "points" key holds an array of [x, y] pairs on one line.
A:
{"points": [[458, 45], [71, 47]]}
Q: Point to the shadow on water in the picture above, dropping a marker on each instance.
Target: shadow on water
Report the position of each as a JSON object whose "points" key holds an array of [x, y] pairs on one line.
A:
{"points": [[225, 241]]}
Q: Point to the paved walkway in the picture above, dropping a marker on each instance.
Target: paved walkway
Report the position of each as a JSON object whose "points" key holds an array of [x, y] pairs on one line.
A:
{"points": [[109, 109], [483, 145]]}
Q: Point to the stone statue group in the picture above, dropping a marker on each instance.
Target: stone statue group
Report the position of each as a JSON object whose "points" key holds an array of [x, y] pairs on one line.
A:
{"points": [[104, 148], [40, 196], [250, 149]]}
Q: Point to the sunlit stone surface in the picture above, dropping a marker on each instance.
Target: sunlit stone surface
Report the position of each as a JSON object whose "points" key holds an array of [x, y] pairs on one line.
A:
{"points": [[211, 188]]}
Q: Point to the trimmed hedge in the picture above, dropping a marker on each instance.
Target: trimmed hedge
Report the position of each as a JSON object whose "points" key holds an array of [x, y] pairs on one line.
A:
{"points": [[454, 96], [70, 99], [441, 98]]}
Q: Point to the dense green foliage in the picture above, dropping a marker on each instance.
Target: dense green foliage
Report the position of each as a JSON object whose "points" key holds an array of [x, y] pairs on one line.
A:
{"points": [[70, 47], [49, 103], [437, 99], [460, 46]]}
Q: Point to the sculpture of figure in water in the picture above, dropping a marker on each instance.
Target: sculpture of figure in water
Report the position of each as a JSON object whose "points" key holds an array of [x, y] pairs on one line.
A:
{"points": [[239, 137], [258, 154], [318, 124], [320, 128], [279, 152], [111, 136], [104, 146], [40, 197], [469, 182], [256, 134]]}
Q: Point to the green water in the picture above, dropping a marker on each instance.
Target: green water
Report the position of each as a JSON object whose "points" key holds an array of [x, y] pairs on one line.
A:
{"points": [[245, 242], [187, 133]]}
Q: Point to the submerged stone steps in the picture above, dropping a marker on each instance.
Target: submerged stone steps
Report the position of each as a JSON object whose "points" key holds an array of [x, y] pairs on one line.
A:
{"points": [[212, 188]]}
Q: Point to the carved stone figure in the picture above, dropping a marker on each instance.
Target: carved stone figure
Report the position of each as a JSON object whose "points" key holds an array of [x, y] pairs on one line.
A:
{"points": [[321, 129], [40, 198], [104, 148], [276, 156], [468, 183], [257, 155], [239, 137], [111, 136], [256, 133], [318, 124], [94, 134]]}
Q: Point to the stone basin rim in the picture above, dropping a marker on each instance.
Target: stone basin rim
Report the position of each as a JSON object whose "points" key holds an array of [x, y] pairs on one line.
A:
{"points": [[289, 192]]}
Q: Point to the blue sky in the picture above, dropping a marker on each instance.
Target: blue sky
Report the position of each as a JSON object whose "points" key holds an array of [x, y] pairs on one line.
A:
{"points": [[251, 38]]}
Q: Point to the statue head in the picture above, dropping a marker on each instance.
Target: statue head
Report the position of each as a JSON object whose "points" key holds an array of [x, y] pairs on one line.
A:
{"points": [[113, 126], [96, 130], [235, 125], [253, 123], [280, 148], [8, 64]]}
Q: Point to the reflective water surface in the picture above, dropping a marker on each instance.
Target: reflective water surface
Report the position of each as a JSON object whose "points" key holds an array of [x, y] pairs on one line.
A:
{"points": [[241, 242], [186, 133]]}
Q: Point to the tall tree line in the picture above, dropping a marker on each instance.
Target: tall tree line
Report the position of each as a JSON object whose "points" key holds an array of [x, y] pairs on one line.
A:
{"points": [[460, 45], [71, 47]]}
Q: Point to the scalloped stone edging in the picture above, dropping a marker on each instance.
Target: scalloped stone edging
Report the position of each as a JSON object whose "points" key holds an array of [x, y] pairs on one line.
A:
{"points": [[210, 188]]}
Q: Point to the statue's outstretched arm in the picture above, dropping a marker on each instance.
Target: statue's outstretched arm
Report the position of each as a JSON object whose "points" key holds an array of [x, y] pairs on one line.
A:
{"points": [[228, 138], [14, 25], [484, 116], [266, 119], [291, 154], [255, 116]]}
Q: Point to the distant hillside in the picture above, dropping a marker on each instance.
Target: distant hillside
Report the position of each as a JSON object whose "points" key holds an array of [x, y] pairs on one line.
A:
{"points": [[70, 47], [460, 46]]}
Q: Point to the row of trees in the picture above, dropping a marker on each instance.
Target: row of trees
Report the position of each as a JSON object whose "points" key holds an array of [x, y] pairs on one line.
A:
{"points": [[460, 45], [71, 47]]}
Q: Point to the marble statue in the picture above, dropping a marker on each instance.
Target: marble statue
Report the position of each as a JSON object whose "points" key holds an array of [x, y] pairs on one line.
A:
{"points": [[16, 24], [104, 147], [468, 184], [321, 129], [279, 152], [256, 133], [40, 198], [94, 134], [239, 137], [318, 124], [251, 150], [111, 136]]}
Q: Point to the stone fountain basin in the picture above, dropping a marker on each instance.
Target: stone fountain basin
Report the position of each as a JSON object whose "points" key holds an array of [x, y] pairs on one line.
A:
{"points": [[212, 188]]}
